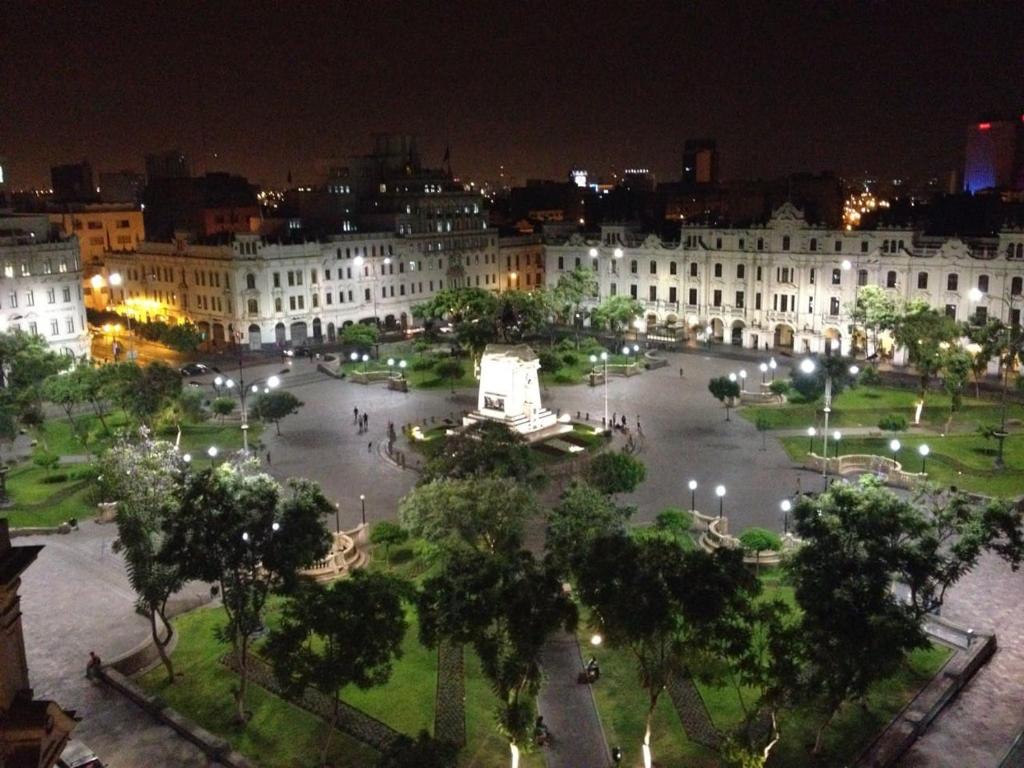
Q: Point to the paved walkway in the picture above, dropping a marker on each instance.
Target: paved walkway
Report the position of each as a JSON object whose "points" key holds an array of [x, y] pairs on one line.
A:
{"points": [[578, 740], [980, 725], [75, 598]]}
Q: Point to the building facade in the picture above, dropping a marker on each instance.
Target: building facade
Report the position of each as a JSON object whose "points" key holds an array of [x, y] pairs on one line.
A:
{"points": [[41, 283], [790, 286], [264, 294]]}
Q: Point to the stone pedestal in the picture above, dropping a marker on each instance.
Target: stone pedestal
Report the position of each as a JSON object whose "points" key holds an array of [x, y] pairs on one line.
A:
{"points": [[510, 390]]}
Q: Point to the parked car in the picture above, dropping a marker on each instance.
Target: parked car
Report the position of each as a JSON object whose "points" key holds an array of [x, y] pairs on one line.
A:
{"points": [[194, 369], [77, 755]]}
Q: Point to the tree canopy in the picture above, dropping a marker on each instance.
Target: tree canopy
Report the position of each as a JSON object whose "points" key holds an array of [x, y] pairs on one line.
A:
{"points": [[926, 334], [615, 472], [484, 448], [360, 335], [485, 513], [617, 312], [276, 405], [581, 515]]}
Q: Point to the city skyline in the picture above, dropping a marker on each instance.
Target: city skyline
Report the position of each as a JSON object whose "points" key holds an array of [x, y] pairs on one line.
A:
{"points": [[849, 87]]}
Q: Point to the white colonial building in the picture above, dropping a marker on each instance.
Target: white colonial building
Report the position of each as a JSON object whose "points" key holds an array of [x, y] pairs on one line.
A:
{"points": [[261, 293], [790, 285], [41, 283]]}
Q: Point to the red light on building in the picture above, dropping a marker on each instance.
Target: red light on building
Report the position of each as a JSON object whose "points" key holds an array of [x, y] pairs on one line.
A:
{"points": [[984, 126]]}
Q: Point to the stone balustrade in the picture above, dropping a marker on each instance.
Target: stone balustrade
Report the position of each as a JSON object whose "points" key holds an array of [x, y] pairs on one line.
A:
{"points": [[345, 556], [889, 469], [715, 535]]}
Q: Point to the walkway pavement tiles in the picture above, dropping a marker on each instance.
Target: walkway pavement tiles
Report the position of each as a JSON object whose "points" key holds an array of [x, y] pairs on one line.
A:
{"points": [[578, 738], [693, 713], [352, 721], [450, 706]]}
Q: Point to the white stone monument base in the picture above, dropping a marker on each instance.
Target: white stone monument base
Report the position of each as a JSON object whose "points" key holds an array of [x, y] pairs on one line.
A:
{"points": [[529, 428]]}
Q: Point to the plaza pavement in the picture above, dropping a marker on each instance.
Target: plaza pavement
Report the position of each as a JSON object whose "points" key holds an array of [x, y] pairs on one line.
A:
{"points": [[686, 436], [74, 599]]}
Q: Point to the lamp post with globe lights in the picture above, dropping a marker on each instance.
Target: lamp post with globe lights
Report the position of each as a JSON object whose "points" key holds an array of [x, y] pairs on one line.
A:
{"points": [[693, 495], [720, 493], [786, 506], [772, 365], [924, 450], [764, 373], [894, 446], [807, 367], [837, 436], [604, 359], [811, 432], [212, 453]]}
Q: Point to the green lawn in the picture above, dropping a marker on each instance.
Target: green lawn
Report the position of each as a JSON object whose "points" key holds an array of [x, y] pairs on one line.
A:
{"points": [[278, 736], [32, 497], [965, 461], [865, 406], [623, 706], [421, 379]]}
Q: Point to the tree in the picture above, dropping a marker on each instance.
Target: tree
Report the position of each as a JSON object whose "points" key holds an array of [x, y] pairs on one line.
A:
{"points": [[926, 334], [617, 312], [348, 633], [26, 361], [571, 290], [423, 752], [485, 513], [858, 542], [450, 369], [65, 391], [275, 405], [987, 340], [505, 607], [146, 479], [484, 448], [222, 406], [360, 335], [674, 521], [758, 540], [812, 385], [236, 529], [671, 608], [140, 391], [472, 311], [581, 515], [725, 390], [956, 370], [387, 534], [876, 310], [763, 424], [183, 337], [615, 472]]}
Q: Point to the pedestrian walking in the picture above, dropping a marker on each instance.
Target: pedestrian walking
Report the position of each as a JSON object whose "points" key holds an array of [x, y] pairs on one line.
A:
{"points": [[680, 373], [623, 421], [93, 666], [268, 458], [366, 421], [355, 415], [369, 447]]}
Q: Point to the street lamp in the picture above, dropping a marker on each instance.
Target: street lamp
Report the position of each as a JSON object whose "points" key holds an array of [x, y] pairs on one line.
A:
{"points": [[693, 495], [924, 450], [212, 453], [401, 368], [732, 377], [720, 493], [786, 506], [773, 365], [593, 361], [743, 379], [362, 505], [811, 432], [808, 366], [593, 253], [187, 458], [837, 436], [365, 359], [764, 373], [894, 446]]}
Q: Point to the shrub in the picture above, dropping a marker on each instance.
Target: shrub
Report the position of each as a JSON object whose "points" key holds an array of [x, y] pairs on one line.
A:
{"points": [[566, 345], [616, 472], [564, 377], [424, 363], [892, 423], [570, 358], [674, 520], [549, 361], [58, 477], [420, 345], [45, 459], [870, 376], [191, 402], [779, 387]]}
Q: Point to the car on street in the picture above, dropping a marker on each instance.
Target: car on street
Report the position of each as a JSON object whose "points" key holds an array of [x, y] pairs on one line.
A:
{"points": [[194, 369], [77, 755]]}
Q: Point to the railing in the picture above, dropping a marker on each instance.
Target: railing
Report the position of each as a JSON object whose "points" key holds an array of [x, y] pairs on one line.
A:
{"points": [[345, 556], [716, 535], [890, 469]]}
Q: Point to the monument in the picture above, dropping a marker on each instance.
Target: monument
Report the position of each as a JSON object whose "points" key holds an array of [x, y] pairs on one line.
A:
{"points": [[510, 391]]}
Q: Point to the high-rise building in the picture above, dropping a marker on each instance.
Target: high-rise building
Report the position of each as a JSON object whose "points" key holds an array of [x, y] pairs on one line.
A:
{"points": [[994, 158], [171, 164], [73, 183], [121, 187], [700, 162]]}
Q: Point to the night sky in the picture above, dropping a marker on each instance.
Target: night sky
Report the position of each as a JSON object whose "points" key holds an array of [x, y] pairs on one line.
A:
{"points": [[260, 88]]}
